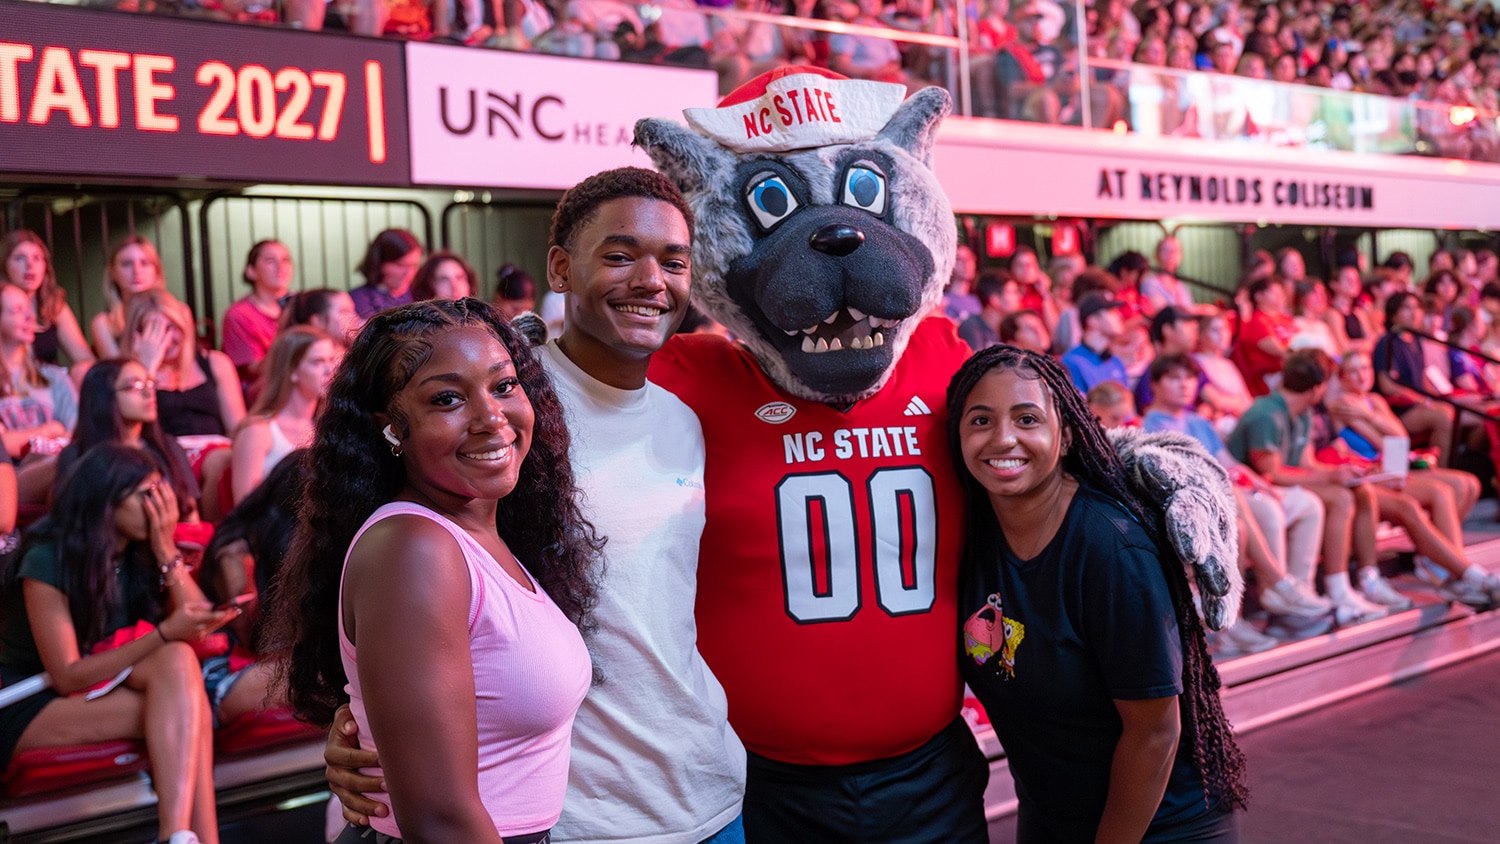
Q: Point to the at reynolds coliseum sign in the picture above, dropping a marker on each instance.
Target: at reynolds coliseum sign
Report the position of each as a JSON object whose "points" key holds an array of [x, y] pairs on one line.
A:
{"points": [[483, 118], [91, 93], [990, 167]]}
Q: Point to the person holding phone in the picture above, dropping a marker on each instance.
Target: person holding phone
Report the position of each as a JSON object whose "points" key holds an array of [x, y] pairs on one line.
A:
{"points": [[101, 593]]}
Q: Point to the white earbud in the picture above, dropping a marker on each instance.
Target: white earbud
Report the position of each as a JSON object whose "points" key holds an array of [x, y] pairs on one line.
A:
{"points": [[390, 437]]}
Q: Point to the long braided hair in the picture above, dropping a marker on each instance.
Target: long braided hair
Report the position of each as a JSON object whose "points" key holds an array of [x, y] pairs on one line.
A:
{"points": [[1093, 461]]}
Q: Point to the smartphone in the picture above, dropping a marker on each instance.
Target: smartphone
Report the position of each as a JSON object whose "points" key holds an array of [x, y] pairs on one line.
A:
{"points": [[238, 602]]}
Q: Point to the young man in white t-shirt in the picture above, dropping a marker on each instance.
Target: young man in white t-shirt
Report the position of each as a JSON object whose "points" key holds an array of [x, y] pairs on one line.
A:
{"points": [[654, 758]]}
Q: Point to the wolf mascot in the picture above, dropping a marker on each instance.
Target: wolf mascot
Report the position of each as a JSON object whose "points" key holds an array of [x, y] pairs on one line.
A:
{"points": [[827, 594]]}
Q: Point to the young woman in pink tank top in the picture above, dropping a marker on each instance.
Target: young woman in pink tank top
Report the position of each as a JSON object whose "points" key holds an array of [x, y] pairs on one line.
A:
{"points": [[441, 573]]}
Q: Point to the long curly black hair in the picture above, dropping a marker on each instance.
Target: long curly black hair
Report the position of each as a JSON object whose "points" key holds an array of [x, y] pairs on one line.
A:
{"points": [[352, 472], [1092, 461]]}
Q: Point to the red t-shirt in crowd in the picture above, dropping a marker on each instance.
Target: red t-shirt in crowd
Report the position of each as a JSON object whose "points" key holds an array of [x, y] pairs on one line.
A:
{"points": [[1255, 363], [828, 572], [248, 333]]}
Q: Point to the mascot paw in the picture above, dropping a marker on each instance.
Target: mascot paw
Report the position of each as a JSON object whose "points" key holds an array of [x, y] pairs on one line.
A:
{"points": [[1175, 475]]}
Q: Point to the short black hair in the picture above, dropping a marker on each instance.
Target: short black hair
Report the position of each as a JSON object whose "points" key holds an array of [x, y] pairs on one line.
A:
{"points": [[578, 205]]}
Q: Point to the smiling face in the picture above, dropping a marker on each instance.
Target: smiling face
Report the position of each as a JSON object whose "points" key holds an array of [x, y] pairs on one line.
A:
{"points": [[17, 322], [626, 276], [468, 422], [1011, 437], [26, 266]]}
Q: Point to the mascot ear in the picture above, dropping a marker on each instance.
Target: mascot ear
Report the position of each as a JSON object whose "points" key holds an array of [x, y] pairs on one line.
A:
{"points": [[914, 125], [687, 158]]}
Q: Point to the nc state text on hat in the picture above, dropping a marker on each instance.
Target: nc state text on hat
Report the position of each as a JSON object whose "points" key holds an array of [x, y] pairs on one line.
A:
{"points": [[792, 108]]}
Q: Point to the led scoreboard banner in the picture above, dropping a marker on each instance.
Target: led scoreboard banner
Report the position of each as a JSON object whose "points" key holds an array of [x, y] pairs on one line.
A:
{"points": [[119, 95]]}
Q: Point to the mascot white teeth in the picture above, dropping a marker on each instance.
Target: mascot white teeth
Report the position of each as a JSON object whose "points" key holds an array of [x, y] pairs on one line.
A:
{"points": [[824, 235], [828, 575]]}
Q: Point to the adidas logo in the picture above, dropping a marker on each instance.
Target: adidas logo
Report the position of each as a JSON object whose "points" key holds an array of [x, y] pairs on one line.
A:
{"points": [[917, 407]]}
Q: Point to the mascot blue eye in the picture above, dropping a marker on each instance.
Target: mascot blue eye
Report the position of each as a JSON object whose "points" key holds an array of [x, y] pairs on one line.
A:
{"points": [[864, 188], [771, 201]]}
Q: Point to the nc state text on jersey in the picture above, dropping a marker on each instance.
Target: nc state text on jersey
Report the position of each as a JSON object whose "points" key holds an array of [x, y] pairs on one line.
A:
{"points": [[890, 441]]}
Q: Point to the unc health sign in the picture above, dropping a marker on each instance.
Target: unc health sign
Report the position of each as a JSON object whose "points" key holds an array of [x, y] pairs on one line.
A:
{"points": [[1020, 169], [481, 118], [95, 93]]}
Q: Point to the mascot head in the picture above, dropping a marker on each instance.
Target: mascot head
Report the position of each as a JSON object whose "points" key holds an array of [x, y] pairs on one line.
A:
{"points": [[823, 236]]}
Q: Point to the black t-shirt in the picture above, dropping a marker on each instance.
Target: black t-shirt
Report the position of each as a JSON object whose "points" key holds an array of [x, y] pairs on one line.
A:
{"points": [[1049, 643]]}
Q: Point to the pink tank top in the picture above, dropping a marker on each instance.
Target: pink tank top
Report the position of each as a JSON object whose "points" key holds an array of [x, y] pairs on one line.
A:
{"points": [[531, 671]]}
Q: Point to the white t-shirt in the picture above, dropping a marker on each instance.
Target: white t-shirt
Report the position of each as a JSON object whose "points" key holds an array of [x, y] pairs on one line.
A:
{"points": [[654, 758]]}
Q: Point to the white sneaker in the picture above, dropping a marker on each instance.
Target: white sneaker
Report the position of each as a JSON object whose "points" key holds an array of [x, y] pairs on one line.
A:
{"points": [[1378, 589], [1353, 608], [1242, 638], [1480, 596], [184, 836], [1290, 597]]}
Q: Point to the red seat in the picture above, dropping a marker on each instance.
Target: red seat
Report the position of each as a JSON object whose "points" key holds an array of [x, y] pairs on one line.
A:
{"points": [[50, 768], [261, 729]]}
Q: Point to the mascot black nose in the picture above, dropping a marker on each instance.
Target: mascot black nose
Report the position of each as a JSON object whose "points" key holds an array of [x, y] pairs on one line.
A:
{"points": [[837, 239]]}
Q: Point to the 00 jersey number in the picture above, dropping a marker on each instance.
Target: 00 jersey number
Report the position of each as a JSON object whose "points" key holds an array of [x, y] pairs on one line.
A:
{"points": [[897, 545]]}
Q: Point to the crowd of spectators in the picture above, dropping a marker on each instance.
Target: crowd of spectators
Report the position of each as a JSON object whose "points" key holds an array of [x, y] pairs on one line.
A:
{"points": [[1299, 387], [143, 510], [1023, 53]]}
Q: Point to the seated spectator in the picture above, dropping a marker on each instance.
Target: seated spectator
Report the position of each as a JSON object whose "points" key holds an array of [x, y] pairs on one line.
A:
{"points": [[1310, 304], [1026, 329], [389, 266], [747, 48], [250, 323], [1444, 288], [1274, 439], [132, 267], [999, 294], [515, 292], [1111, 402], [101, 588], [1035, 287], [1062, 269], [1348, 320], [197, 392], [1282, 529], [1173, 331], [1362, 420], [26, 263], [1265, 337], [1160, 287], [117, 404], [1401, 377], [959, 301], [1227, 396], [1027, 63], [301, 362], [1091, 362], [38, 404], [1129, 270], [445, 275], [864, 56], [243, 560], [1068, 331], [330, 311], [1402, 265]]}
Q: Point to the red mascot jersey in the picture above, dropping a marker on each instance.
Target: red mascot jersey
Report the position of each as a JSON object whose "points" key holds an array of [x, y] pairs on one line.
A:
{"points": [[828, 576]]}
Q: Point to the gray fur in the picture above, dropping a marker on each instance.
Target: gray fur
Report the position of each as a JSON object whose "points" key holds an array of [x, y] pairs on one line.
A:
{"points": [[706, 173], [1173, 472]]}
